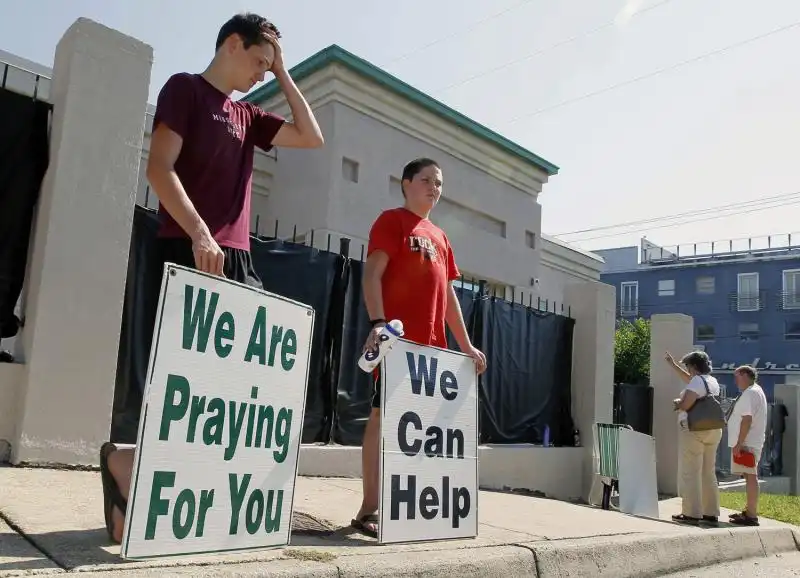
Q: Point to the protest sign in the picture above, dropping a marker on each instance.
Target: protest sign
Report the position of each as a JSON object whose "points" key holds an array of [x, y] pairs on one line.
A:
{"points": [[219, 437], [429, 441]]}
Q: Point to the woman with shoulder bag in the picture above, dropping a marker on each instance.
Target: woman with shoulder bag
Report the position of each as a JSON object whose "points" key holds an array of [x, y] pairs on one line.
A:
{"points": [[701, 422]]}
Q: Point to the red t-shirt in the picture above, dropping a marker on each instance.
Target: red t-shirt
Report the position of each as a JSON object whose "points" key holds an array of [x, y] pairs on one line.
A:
{"points": [[215, 164], [416, 281]]}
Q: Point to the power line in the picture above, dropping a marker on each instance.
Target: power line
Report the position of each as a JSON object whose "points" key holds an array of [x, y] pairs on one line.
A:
{"points": [[654, 73], [546, 49], [756, 202], [459, 32], [687, 222]]}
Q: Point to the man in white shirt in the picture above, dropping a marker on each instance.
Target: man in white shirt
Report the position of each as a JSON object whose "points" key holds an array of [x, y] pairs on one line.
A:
{"points": [[747, 431]]}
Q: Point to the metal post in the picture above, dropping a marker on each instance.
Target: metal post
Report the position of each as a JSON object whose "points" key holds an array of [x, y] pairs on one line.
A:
{"points": [[344, 247]]}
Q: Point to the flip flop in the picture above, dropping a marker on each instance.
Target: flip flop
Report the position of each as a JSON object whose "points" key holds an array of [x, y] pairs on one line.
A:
{"points": [[360, 524], [682, 519], [743, 520], [111, 495]]}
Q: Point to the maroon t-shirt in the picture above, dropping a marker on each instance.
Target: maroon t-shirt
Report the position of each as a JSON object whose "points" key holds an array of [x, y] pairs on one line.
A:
{"points": [[215, 164]]}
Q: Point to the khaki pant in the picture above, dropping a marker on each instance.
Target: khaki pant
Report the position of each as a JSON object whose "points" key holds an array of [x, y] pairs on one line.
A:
{"points": [[698, 478]]}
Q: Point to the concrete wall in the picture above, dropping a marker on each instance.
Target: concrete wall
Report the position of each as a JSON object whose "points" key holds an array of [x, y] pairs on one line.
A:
{"points": [[62, 394], [673, 333], [592, 367], [789, 395]]}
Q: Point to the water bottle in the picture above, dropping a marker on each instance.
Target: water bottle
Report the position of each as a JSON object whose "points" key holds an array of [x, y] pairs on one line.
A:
{"points": [[389, 333], [546, 440]]}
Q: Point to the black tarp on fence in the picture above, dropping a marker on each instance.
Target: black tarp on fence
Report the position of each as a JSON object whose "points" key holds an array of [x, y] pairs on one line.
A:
{"points": [[529, 352], [24, 127], [312, 277], [527, 384]]}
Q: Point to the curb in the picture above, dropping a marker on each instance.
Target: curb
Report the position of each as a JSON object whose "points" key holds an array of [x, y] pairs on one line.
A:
{"points": [[643, 556], [623, 556]]}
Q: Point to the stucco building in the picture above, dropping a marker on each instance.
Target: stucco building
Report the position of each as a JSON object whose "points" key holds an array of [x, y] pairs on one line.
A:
{"points": [[373, 124]]}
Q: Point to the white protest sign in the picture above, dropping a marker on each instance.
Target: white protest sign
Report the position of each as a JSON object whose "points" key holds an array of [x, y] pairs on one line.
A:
{"points": [[429, 440], [219, 437]]}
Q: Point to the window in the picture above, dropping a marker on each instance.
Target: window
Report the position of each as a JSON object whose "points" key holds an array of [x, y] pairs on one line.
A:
{"points": [[792, 329], [791, 289], [705, 285], [666, 288], [705, 333], [349, 170], [747, 298], [748, 332], [629, 298], [530, 239]]}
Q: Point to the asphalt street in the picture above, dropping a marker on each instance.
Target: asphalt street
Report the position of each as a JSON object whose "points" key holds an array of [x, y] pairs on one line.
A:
{"points": [[774, 567]]}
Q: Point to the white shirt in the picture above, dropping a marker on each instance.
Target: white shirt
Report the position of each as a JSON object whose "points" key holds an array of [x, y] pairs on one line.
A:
{"points": [[696, 385], [753, 402]]}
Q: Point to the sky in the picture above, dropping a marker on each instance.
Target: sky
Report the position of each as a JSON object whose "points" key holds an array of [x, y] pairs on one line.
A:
{"points": [[651, 108]]}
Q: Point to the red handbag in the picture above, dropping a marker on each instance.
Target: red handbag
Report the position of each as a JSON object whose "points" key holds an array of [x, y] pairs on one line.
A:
{"points": [[746, 459]]}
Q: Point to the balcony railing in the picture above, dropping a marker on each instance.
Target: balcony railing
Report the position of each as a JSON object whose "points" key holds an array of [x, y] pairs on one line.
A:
{"points": [[628, 309], [747, 301], [727, 249], [788, 300]]}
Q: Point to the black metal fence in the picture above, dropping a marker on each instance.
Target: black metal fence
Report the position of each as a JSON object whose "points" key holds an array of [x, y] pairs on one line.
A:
{"points": [[526, 388]]}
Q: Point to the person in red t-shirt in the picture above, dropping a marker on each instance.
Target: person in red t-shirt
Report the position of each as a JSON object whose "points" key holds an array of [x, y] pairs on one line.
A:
{"points": [[408, 276], [201, 169]]}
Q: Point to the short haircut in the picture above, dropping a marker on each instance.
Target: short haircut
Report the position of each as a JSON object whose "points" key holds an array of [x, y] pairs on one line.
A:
{"points": [[413, 168], [698, 360], [749, 371], [251, 28]]}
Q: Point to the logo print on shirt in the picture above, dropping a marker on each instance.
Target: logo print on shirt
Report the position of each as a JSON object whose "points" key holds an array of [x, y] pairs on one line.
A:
{"points": [[234, 129], [423, 245]]}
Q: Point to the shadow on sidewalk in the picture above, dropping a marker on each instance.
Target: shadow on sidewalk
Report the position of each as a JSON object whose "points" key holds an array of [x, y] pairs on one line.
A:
{"points": [[91, 549]]}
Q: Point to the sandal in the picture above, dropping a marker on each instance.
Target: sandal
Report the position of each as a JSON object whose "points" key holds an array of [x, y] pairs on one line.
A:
{"points": [[360, 524], [743, 520], [683, 519], [111, 495]]}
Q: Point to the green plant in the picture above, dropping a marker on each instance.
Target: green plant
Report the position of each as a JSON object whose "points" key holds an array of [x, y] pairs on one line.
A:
{"points": [[632, 352]]}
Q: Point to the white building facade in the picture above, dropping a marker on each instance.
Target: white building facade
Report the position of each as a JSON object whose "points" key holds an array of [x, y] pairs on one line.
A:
{"points": [[373, 125]]}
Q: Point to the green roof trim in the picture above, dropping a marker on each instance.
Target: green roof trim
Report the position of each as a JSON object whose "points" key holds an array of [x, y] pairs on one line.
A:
{"points": [[337, 54]]}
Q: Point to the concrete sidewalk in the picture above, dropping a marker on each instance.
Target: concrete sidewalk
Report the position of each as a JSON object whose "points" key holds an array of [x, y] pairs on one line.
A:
{"points": [[55, 525]]}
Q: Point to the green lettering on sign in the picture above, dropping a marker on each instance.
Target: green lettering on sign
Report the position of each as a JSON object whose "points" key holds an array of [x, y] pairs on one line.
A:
{"points": [[288, 349], [257, 346], [173, 410], [197, 319], [158, 506]]}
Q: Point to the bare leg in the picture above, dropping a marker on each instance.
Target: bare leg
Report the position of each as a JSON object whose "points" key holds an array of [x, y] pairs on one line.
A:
{"points": [[120, 464], [370, 467], [751, 486]]}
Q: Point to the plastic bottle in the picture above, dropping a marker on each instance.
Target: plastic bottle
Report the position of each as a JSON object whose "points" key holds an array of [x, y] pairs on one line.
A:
{"points": [[390, 333], [546, 440]]}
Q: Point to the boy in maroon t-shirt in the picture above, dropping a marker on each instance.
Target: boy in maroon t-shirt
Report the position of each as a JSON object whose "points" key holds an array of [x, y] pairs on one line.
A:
{"points": [[408, 276], [201, 167]]}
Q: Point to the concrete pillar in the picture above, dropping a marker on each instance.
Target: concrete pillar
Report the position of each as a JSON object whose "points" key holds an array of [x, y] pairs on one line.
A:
{"points": [[77, 271], [593, 308], [673, 333], [789, 395]]}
